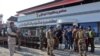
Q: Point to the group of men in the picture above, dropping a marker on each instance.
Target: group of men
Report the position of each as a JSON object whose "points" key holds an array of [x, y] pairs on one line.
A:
{"points": [[82, 39], [77, 38]]}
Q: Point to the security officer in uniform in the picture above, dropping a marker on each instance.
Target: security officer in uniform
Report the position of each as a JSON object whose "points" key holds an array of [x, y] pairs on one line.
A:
{"points": [[42, 39], [50, 41], [75, 38], [11, 30], [91, 34], [81, 42]]}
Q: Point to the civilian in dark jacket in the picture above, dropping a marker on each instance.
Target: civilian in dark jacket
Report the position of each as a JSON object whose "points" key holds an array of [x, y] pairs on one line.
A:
{"points": [[69, 39]]}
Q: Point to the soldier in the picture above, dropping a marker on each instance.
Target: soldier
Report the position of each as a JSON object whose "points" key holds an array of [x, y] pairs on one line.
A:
{"points": [[42, 38], [50, 41], [81, 42], [86, 38], [75, 29], [59, 35], [11, 30], [56, 43]]}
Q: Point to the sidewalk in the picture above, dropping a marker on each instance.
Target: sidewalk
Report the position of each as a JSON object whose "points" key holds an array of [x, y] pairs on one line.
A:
{"points": [[34, 52], [23, 52]]}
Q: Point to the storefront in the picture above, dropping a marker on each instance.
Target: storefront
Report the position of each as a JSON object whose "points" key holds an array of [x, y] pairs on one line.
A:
{"points": [[85, 15]]}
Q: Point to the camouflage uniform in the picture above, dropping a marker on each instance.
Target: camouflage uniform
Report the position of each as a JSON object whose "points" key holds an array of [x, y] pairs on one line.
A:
{"points": [[81, 43], [74, 32], [50, 42]]}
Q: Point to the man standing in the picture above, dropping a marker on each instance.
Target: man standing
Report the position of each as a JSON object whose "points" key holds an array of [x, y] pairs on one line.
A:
{"points": [[70, 38], [50, 41], [11, 30], [86, 38], [91, 39], [65, 39], [42, 39], [59, 35], [75, 38], [56, 43], [81, 42]]}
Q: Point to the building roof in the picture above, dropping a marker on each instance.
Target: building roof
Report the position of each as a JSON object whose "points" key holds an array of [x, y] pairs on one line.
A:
{"points": [[12, 18], [49, 5]]}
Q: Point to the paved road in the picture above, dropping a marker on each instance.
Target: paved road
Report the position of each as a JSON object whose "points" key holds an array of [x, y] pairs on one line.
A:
{"points": [[71, 53], [23, 52], [34, 52]]}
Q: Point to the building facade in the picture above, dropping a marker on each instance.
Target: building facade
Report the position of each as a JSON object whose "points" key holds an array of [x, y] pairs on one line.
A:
{"points": [[1, 16], [1, 25], [80, 12]]}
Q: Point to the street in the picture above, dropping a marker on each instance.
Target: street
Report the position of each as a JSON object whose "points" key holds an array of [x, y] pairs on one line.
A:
{"points": [[23, 52], [34, 52]]}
